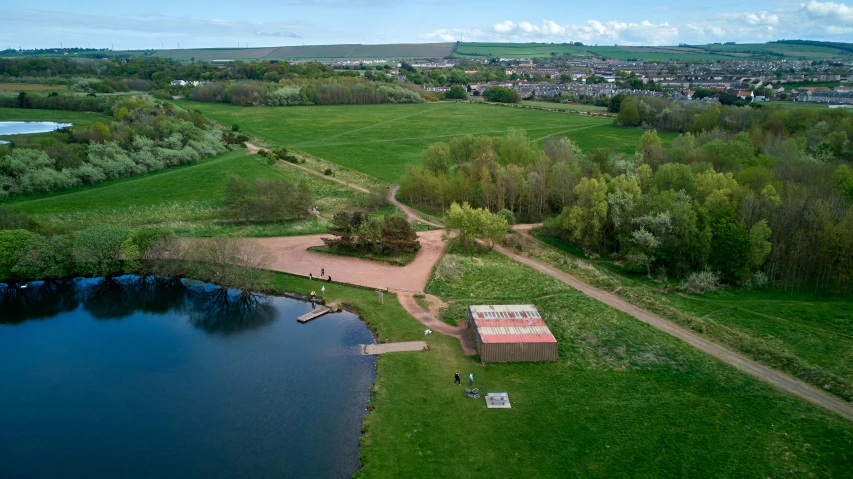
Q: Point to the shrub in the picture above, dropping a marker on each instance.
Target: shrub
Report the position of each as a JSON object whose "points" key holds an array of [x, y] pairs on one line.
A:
{"points": [[508, 216], [329, 172], [701, 282], [12, 242]]}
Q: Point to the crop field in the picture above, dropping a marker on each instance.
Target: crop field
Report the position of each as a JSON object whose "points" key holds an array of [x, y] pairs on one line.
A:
{"points": [[382, 140], [758, 49], [622, 397], [188, 199]]}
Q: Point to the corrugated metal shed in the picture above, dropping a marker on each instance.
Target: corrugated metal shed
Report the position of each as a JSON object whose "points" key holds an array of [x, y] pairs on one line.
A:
{"points": [[505, 333]]}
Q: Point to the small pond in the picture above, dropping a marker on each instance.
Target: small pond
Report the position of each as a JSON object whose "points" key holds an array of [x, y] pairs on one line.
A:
{"points": [[28, 127], [130, 378]]}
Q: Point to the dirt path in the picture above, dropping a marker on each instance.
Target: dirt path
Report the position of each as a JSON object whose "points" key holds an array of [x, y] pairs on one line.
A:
{"points": [[759, 371], [408, 302], [291, 256], [255, 148], [410, 213]]}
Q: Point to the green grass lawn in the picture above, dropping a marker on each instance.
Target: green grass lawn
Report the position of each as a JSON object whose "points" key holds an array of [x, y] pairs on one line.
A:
{"points": [[382, 140], [624, 400], [564, 106], [807, 335], [192, 193]]}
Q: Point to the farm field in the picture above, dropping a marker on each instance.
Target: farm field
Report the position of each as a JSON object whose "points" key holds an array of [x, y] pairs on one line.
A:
{"points": [[188, 199], [305, 52], [564, 106], [382, 140], [622, 397], [806, 335]]}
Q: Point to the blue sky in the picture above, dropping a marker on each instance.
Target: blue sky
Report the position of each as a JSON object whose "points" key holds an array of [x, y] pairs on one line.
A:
{"points": [[197, 23]]}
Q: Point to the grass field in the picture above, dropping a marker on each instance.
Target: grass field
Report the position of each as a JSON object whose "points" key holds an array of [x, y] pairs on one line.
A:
{"points": [[624, 400], [806, 335], [382, 140], [188, 199], [393, 51], [564, 106]]}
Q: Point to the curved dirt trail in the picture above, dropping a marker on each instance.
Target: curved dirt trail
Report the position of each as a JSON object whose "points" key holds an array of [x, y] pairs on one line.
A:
{"points": [[407, 300], [755, 369], [410, 213]]}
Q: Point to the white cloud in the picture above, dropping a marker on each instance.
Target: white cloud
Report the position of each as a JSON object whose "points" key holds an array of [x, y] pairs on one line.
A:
{"points": [[814, 20]]}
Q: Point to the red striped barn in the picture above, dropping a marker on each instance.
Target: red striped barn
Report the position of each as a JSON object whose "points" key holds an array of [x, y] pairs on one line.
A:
{"points": [[511, 333]]}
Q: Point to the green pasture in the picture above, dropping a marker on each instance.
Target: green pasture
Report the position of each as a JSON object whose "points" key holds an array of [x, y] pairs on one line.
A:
{"points": [[382, 140], [624, 400], [188, 199], [564, 106]]}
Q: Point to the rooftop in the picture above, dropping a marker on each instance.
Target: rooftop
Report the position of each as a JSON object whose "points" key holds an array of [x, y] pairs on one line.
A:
{"points": [[520, 323]]}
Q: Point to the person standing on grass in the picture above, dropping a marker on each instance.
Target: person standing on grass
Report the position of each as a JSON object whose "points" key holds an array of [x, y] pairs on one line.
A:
{"points": [[323, 290], [310, 276], [329, 279], [471, 378], [457, 379]]}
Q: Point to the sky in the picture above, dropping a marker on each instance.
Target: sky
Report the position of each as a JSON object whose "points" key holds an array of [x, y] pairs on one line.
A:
{"points": [[154, 24]]}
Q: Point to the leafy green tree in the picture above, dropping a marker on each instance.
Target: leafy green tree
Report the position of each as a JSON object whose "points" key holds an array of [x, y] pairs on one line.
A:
{"points": [[456, 92], [99, 249], [45, 258], [628, 115], [583, 223], [501, 94], [468, 224], [759, 244], [12, 242]]}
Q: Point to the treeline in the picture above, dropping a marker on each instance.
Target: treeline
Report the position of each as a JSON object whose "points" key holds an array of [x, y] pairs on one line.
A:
{"points": [[138, 137], [109, 250], [711, 202], [338, 91]]}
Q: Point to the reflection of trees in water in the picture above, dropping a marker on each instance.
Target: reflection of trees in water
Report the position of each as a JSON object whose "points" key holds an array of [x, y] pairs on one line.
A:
{"points": [[224, 311], [36, 301], [212, 308]]}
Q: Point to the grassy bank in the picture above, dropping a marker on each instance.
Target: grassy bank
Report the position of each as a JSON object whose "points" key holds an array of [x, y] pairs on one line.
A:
{"points": [[383, 140], [623, 397], [806, 335], [188, 198], [392, 259]]}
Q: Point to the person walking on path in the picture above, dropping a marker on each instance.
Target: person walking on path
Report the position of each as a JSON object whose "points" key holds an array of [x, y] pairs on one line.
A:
{"points": [[471, 378], [322, 272], [457, 379], [310, 276]]}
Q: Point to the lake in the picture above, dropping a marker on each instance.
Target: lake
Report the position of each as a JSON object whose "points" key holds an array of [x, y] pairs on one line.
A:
{"points": [[28, 127], [130, 378]]}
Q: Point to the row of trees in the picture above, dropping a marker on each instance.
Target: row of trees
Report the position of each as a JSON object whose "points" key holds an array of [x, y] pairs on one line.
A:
{"points": [[139, 137], [360, 232], [712, 201], [338, 91], [108, 250]]}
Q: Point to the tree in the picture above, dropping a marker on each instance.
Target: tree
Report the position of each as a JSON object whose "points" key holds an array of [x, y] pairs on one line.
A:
{"points": [[759, 244], [456, 92], [616, 103], [628, 115], [98, 249], [501, 94], [12, 242], [583, 223], [651, 149], [45, 258], [468, 224]]}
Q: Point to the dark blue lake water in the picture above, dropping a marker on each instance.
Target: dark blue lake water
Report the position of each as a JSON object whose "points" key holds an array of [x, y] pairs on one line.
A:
{"points": [[124, 379]]}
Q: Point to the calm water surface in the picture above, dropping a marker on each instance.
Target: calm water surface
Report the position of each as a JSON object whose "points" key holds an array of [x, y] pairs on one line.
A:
{"points": [[27, 127], [131, 379]]}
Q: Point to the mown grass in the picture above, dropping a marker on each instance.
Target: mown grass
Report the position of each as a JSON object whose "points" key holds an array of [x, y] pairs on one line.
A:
{"points": [[383, 140], [624, 400], [188, 198], [564, 106], [806, 335]]}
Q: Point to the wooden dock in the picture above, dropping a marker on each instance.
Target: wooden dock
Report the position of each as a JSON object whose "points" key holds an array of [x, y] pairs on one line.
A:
{"points": [[313, 314], [375, 349]]}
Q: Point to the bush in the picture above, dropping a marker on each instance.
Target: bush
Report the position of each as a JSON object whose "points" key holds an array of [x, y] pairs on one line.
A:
{"points": [[701, 282], [12, 242], [501, 94], [456, 92], [329, 172], [508, 216]]}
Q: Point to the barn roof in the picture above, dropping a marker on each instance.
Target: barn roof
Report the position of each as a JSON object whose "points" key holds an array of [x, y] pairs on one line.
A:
{"points": [[519, 323]]}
